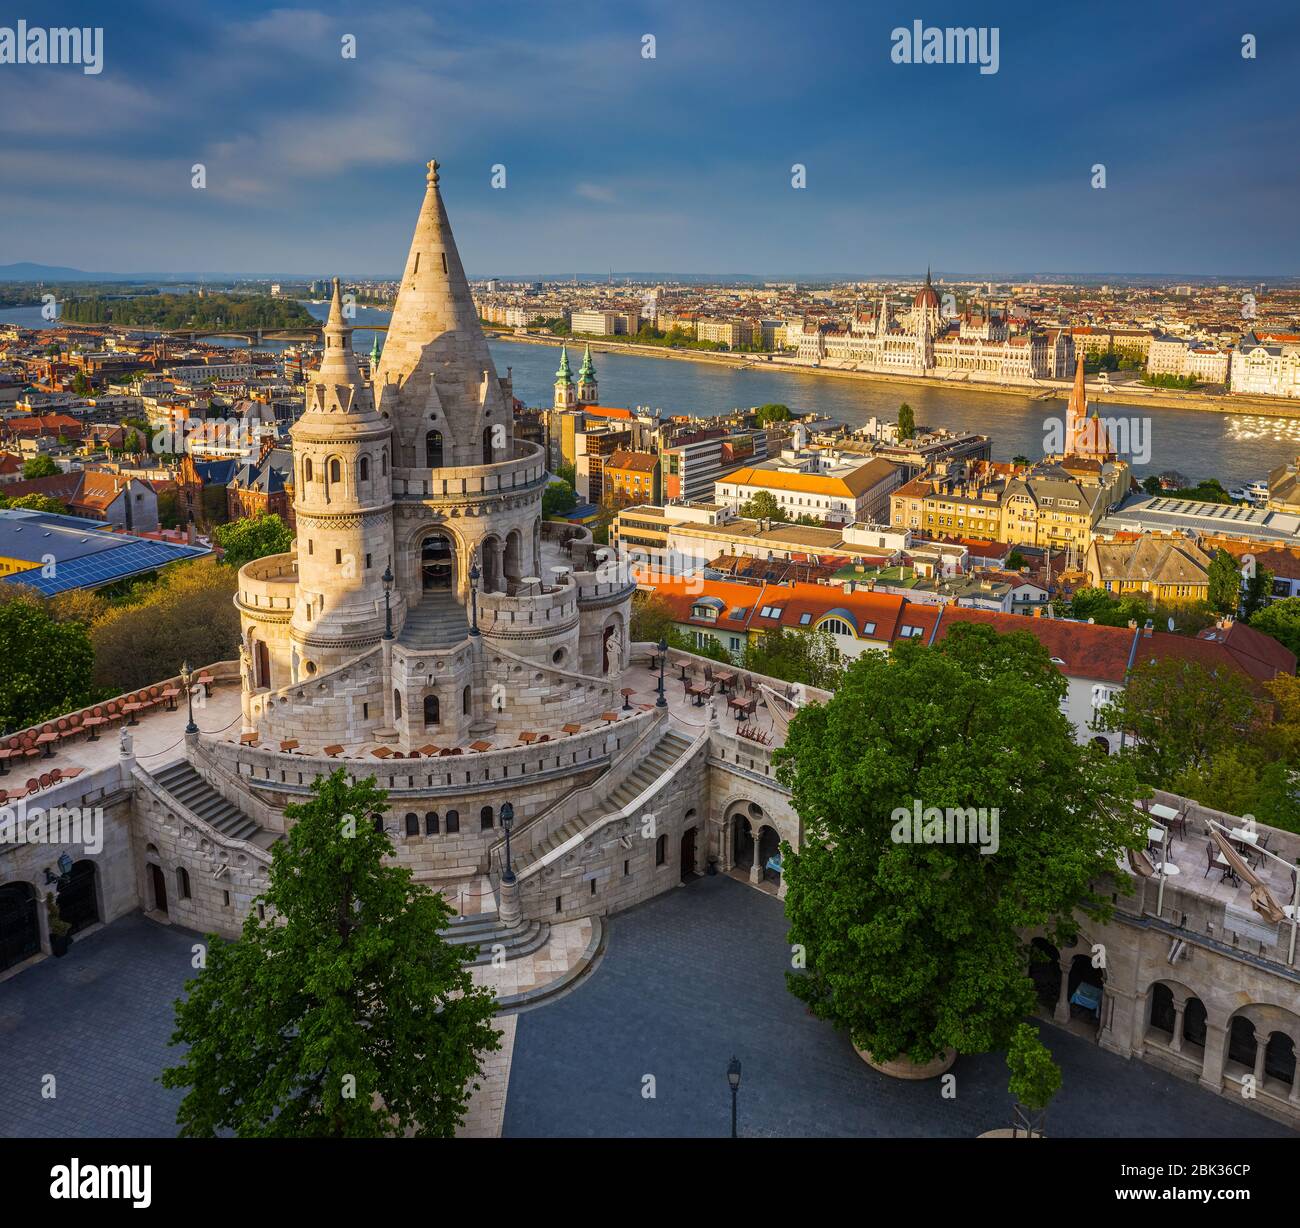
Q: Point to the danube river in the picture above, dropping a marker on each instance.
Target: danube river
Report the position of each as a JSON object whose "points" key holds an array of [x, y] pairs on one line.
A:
{"points": [[1235, 448]]}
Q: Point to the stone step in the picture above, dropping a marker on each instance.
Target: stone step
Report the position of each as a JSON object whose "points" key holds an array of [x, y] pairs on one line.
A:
{"points": [[201, 799]]}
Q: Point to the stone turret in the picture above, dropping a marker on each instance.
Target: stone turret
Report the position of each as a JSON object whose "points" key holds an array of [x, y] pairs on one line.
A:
{"points": [[342, 450], [565, 394], [587, 380], [436, 380]]}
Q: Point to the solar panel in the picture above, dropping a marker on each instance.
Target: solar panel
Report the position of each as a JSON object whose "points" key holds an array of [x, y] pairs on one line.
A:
{"points": [[129, 559]]}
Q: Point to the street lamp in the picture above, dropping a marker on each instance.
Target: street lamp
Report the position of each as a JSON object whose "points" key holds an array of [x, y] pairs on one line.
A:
{"points": [[508, 821], [474, 575], [388, 609], [733, 1078], [186, 678], [662, 702]]}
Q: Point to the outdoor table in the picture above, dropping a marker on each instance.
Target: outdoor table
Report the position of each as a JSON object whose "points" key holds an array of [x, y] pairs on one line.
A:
{"points": [[248, 739], [289, 745], [480, 747], [654, 662], [683, 668], [332, 751], [698, 691], [627, 693], [725, 679], [92, 723], [1088, 997], [1156, 836], [429, 750], [1165, 813], [742, 707], [1167, 868], [528, 737], [571, 729], [611, 717], [1241, 834], [132, 709], [47, 740], [170, 694], [1289, 911], [382, 752], [205, 681]]}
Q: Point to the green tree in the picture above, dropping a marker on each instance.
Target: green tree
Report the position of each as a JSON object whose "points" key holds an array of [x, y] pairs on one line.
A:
{"points": [[1225, 582], [558, 498], [343, 1013], [1281, 620], [1259, 588], [1179, 716], [253, 537], [40, 466], [810, 657], [1035, 1078], [765, 415], [1015, 561], [906, 421], [916, 947], [763, 506], [567, 473], [47, 664], [37, 503]]}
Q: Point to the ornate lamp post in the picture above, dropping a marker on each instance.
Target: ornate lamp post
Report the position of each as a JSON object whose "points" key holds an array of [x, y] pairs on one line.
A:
{"points": [[662, 702], [186, 678], [733, 1079], [507, 822], [474, 575], [388, 609]]}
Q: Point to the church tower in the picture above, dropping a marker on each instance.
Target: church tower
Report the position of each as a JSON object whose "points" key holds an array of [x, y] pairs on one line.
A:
{"points": [[343, 505], [587, 380], [436, 381], [566, 396], [1085, 436]]}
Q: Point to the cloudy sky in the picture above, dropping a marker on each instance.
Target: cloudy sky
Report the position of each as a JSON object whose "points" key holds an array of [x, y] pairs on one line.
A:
{"points": [[682, 162]]}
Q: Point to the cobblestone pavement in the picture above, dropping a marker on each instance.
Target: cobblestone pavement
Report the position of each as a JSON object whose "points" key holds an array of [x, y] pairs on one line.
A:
{"points": [[697, 975]]}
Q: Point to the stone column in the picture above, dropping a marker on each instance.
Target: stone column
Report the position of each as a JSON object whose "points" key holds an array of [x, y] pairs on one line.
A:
{"points": [[1261, 1047], [1062, 1012], [1180, 1006], [726, 845], [1137, 1040], [1216, 1039], [510, 909], [756, 870], [500, 549], [1294, 1097]]}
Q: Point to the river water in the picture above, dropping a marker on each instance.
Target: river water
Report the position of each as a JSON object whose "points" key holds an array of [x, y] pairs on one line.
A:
{"points": [[1235, 448]]}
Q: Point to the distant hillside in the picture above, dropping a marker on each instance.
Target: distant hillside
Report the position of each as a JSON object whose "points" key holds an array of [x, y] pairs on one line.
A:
{"points": [[27, 271], [216, 311]]}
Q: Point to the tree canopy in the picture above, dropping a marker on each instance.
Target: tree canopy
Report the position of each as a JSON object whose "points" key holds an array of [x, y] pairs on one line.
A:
{"points": [[762, 506], [916, 947], [906, 421], [1225, 582], [1281, 620], [343, 1013], [47, 664], [558, 498], [40, 466], [810, 657], [253, 537]]}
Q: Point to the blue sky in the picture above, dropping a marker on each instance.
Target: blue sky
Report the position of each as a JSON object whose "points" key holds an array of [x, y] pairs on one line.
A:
{"points": [[679, 163]]}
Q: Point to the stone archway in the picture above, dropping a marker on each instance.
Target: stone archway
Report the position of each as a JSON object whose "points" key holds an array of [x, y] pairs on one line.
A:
{"points": [[20, 928], [437, 563], [514, 558]]}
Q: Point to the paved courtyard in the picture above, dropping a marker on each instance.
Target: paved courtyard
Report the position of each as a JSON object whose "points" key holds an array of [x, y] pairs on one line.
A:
{"points": [[687, 980], [697, 975]]}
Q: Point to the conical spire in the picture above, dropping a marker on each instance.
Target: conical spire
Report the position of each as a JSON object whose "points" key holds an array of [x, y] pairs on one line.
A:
{"points": [[435, 366], [564, 375], [1078, 406], [339, 364], [587, 373]]}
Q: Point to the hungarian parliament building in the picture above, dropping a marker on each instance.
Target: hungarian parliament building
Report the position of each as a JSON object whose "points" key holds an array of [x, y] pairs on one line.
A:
{"points": [[930, 341]]}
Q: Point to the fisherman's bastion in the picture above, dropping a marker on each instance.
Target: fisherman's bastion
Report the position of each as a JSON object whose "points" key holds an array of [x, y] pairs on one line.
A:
{"points": [[429, 629]]}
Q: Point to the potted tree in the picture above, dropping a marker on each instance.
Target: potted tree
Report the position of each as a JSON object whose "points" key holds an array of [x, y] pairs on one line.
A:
{"points": [[60, 930], [1035, 1079]]}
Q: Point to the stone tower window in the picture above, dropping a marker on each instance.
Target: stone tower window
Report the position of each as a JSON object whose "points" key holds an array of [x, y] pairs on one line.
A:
{"points": [[363, 471], [306, 469], [336, 470], [453, 822], [433, 449], [412, 824], [485, 819], [431, 823], [431, 711]]}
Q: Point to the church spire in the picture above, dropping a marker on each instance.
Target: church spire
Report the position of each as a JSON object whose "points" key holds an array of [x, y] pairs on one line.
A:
{"points": [[564, 375], [339, 364]]}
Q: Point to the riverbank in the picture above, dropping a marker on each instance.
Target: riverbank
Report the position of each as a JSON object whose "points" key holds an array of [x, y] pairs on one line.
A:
{"points": [[1126, 394]]}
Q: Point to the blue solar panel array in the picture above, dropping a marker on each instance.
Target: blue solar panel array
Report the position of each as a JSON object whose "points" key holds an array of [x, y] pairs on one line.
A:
{"points": [[129, 559]]}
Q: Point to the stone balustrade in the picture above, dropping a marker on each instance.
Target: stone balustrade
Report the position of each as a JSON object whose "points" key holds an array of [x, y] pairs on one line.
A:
{"points": [[527, 468], [269, 584]]}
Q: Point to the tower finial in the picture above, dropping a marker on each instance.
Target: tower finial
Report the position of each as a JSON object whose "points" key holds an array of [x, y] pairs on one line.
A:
{"points": [[432, 164]]}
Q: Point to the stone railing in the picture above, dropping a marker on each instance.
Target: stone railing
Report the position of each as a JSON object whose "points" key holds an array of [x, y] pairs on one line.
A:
{"points": [[527, 468], [554, 607], [84, 792], [268, 583], [262, 704], [213, 843], [445, 775]]}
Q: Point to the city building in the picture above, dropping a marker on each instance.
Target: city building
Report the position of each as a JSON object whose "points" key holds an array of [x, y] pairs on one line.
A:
{"points": [[1263, 367], [632, 477], [835, 490]]}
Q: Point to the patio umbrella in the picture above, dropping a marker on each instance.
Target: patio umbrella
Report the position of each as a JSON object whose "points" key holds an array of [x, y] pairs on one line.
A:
{"points": [[1261, 899], [1141, 864]]}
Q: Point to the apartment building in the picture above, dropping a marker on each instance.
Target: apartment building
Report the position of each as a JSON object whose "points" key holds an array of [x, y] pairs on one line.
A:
{"points": [[1267, 365], [693, 463], [604, 323], [632, 477], [835, 489]]}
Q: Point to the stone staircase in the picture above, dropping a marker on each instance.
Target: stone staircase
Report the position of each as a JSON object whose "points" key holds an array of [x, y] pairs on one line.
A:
{"points": [[437, 622], [663, 755], [486, 931], [183, 783]]}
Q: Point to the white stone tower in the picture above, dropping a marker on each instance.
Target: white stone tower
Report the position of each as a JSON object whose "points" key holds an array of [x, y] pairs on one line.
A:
{"points": [[343, 505]]}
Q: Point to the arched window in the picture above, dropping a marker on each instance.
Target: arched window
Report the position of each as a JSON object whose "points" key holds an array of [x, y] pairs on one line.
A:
{"points": [[336, 471], [412, 824], [397, 704], [661, 850], [485, 819], [431, 823], [453, 821], [836, 626], [1162, 1009], [363, 469], [464, 702], [379, 824], [384, 457], [430, 710], [433, 449], [183, 882], [306, 469], [487, 444]]}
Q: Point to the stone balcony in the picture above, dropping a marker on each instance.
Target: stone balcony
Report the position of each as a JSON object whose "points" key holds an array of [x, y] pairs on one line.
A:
{"points": [[525, 470], [267, 585]]}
